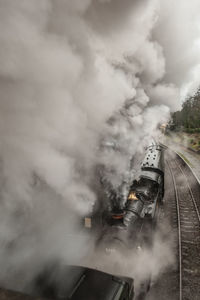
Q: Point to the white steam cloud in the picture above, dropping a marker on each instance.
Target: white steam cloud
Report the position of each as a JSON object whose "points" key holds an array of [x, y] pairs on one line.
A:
{"points": [[71, 74]]}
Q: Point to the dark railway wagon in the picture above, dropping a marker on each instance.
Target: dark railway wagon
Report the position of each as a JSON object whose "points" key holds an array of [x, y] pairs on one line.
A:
{"points": [[80, 283]]}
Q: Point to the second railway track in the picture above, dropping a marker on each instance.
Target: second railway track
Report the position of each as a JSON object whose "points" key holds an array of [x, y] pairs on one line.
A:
{"points": [[187, 220]]}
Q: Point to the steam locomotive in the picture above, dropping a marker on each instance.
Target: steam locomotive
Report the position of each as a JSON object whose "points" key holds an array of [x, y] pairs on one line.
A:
{"points": [[133, 225]]}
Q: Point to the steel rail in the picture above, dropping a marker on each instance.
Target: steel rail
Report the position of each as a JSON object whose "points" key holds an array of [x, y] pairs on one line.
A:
{"points": [[179, 232], [191, 193]]}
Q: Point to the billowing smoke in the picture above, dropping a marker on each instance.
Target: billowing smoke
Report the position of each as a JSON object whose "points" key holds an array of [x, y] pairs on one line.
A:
{"points": [[74, 74]]}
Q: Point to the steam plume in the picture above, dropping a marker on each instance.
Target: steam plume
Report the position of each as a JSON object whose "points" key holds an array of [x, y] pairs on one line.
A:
{"points": [[67, 68]]}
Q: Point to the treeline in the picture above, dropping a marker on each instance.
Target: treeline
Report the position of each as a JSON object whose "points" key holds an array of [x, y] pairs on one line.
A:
{"points": [[188, 119]]}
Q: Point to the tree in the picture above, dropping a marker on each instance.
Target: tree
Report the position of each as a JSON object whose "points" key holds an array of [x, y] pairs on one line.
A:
{"points": [[189, 116]]}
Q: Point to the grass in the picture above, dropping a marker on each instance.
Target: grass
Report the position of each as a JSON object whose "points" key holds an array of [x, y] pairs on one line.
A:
{"points": [[185, 159], [191, 141]]}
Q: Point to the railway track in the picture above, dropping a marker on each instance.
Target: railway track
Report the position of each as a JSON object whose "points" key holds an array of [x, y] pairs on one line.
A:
{"points": [[187, 203]]}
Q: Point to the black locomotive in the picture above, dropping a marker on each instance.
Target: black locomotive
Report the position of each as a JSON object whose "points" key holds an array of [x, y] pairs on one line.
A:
{"points": [[134, 224]]}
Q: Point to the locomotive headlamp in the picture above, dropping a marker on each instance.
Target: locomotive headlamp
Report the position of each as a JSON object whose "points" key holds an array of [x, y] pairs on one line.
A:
{"points": [[132, 196]]}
